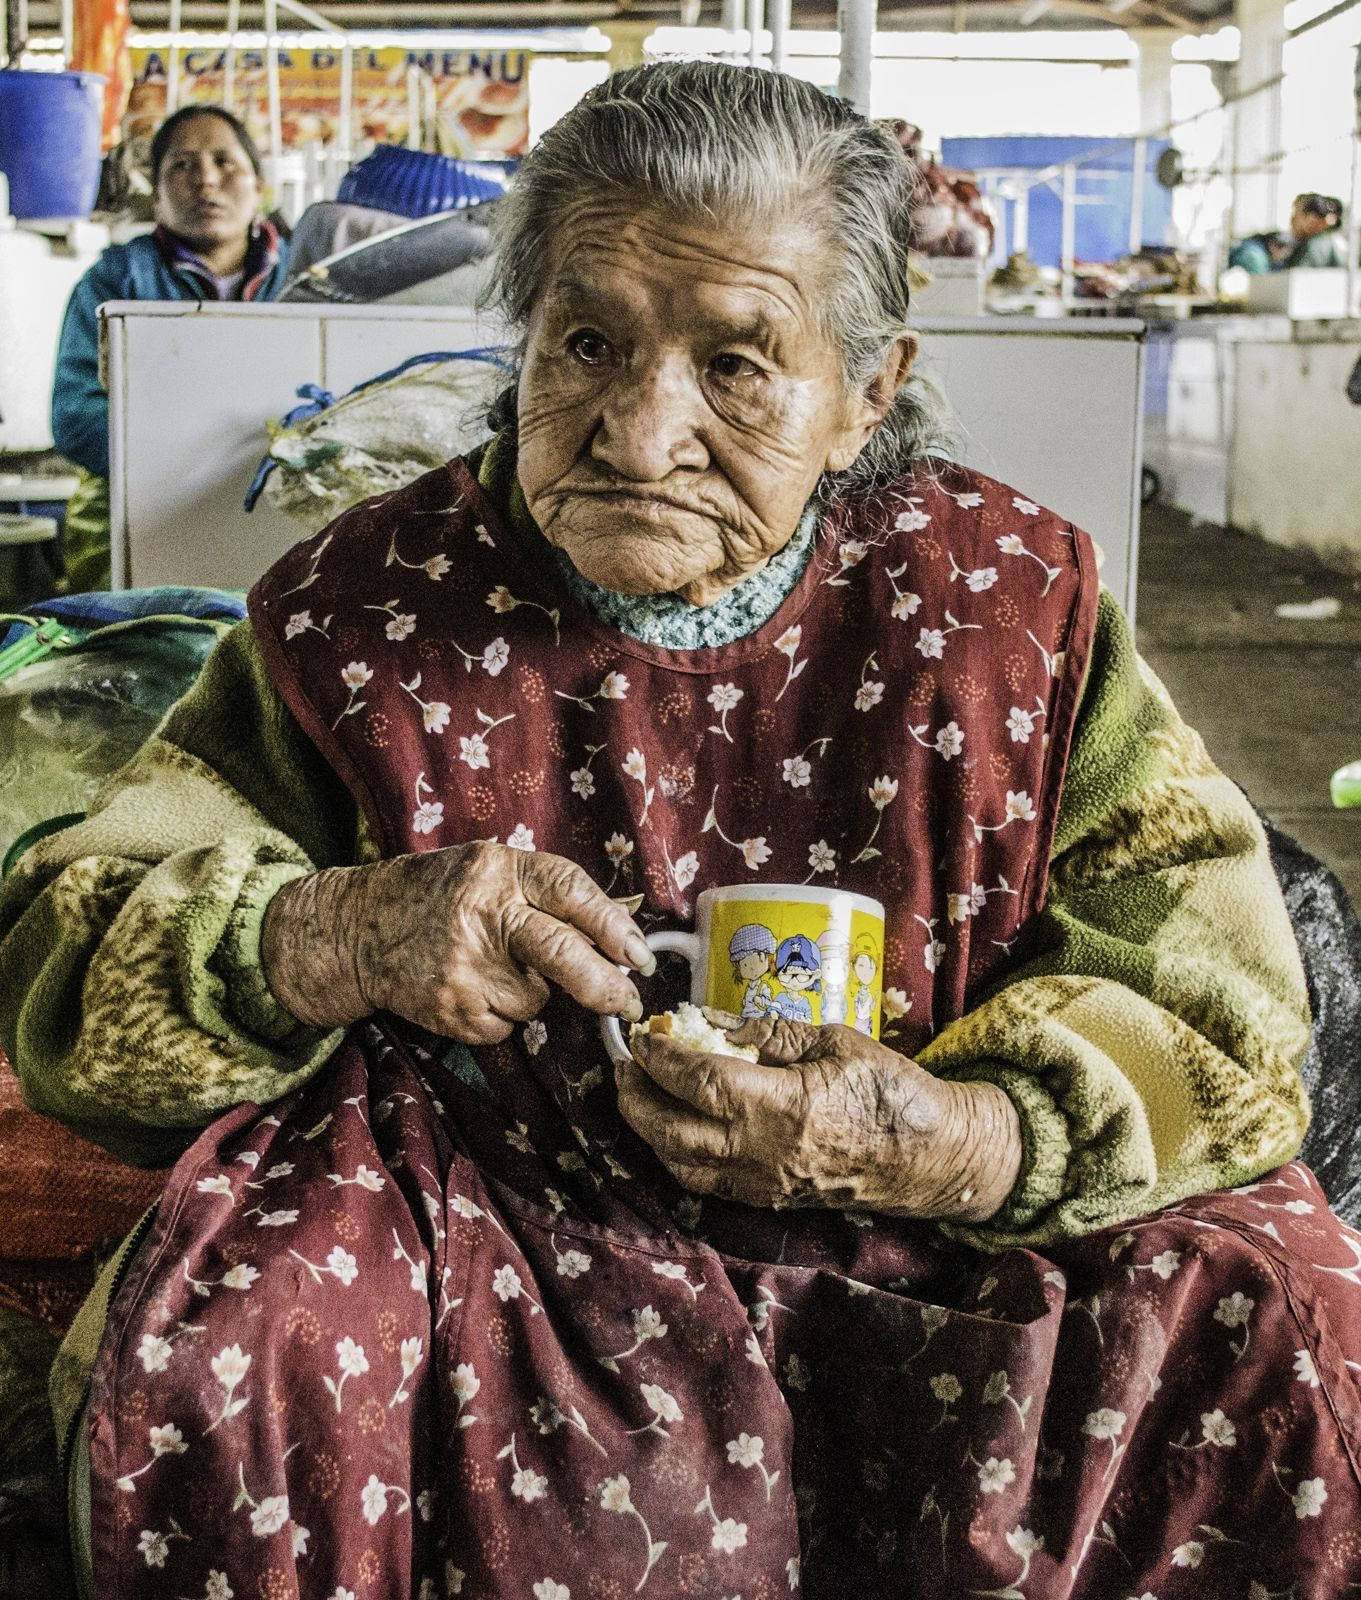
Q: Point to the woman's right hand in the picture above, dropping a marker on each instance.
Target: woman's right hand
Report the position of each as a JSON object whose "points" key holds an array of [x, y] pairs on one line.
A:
{"points": [[463, 942]]}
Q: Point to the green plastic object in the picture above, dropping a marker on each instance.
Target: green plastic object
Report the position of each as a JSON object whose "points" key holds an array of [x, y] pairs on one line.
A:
{"points": [[1346, 785]]}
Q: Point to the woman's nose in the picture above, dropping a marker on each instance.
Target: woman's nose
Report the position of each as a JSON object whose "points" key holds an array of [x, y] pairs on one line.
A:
{"points": [[649, 423]]}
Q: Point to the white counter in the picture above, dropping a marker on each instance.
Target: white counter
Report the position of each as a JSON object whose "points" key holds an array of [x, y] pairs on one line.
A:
{"points": [[1052, 408], [1248, 425]]}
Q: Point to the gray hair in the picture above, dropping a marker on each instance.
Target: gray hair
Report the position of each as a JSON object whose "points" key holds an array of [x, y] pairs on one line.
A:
{"points": [[705, 139]]}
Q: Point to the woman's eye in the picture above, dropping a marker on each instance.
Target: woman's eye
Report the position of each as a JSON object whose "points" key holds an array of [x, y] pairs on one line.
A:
{"points": [[588, 347], [730, 365]]}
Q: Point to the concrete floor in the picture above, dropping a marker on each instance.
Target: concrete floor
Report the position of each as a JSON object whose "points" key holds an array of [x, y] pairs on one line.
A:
{"points": [[1278, 703]]}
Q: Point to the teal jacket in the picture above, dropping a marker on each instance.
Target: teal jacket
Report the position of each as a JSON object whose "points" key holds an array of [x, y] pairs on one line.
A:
{"points": [[154, 266]]}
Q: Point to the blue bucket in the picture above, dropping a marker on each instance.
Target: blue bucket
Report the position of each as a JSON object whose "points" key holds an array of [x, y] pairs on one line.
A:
{"points": [[50, 126]]}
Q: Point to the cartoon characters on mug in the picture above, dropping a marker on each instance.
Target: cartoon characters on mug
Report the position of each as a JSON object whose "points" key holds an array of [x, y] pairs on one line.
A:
{"points": [[752, 949]]}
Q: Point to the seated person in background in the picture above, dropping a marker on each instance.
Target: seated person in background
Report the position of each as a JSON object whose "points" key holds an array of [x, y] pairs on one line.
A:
{"points": [[210, 243], [1314, 239], [437, 1301]]}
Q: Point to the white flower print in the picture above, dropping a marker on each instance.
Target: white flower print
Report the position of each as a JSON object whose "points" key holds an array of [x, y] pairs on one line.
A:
{"points": [[981, 578], [797, 1374], [615, 1496], [1305, 1371], [914, 519], [686, 869], [947, 1389], [269, 1516], [969, 502], [341, 1593], [547, 1589], [1309, 1498], [905, 605], [949, 741], [868, 695], [472, 751], [528, 1485], [1024, 1542], [748, 1451], [1027, 508], [425, 1505], [167, 1440], [435, 716], [216, 1586], [798, 773], [501, 600], [154, 1352], [931, 643], [754, 852], [495, 657], [788, 645], [374, 1500], [412, 1350], [535, 1036], [664, 1409], [572, 1263], [353, 1363], [436, 567], [522, 838], [635, 764], [299, 1537], [728, 1535], [401, 625], [153, 1547], [505, 1284], [583, 783], [1019, 808], [896, 1004], [1190, 1554], [618, 848], [821, 857], [1011, 544], [298, 623], [229, 1366], [354, 675], [1104, 1423], [1218, 1430], [723, 697], [614, 686], [647, 1324], [792, 1572], [219, 1183], [1233, 1311], [1020, 725]]}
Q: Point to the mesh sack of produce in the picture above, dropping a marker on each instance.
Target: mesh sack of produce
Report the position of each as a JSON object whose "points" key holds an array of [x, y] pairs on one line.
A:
{"points": [[328, 454]]}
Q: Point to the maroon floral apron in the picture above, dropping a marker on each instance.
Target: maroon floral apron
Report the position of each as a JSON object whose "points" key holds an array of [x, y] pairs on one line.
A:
{"points": [[439, 1324]]}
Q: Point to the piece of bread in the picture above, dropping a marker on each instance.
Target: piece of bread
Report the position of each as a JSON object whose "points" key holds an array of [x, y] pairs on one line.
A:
{"points": [[688, 1026]]}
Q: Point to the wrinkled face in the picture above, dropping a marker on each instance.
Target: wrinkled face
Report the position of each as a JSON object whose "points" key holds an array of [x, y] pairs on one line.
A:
{"points": [[678, 402], [207, 192]]}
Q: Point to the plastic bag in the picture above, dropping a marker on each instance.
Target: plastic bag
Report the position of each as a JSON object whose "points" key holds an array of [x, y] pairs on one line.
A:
{"points": [[328, 454]]}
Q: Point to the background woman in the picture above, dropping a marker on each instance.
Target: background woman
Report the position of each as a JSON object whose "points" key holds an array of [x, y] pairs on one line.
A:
{"points": [[210, 243]]}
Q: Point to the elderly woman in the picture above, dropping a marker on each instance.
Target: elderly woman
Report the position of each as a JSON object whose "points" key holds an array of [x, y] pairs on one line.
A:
{"points": [[435, 1303], [210, 243]]}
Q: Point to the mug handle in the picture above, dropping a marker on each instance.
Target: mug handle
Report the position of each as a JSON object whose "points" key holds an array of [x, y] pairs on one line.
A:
{"points": [[688, 945]]}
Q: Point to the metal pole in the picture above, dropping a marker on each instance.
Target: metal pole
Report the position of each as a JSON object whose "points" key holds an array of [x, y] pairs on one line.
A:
{"points": [[855, 23], [229, 64], [276, 122], [1136, 203], [755, 24], [172, 84], [779, 34], [346, 130], [732, 26], [413, 108], [68, 31], [1069, 230]]}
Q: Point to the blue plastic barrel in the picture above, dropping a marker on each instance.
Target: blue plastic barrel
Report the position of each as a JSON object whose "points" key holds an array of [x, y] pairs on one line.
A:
{"points": [[49, 141]]}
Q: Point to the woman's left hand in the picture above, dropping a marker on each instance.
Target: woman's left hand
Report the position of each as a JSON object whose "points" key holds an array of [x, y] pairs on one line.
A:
{"points": [[826, 1117]]}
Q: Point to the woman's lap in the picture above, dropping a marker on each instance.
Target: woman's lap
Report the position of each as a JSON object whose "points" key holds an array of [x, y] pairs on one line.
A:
{"points": [[418, 1383]]}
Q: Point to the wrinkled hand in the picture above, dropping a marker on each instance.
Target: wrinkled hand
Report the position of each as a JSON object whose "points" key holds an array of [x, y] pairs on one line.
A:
{"points": [[463, 941], [847, 1123]]}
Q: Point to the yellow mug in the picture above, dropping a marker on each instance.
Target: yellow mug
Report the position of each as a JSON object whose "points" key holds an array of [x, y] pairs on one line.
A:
{"points": [[787, 949]]}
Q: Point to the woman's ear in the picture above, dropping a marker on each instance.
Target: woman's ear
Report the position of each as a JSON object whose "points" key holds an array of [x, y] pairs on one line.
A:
{"points": [[865, 412]]}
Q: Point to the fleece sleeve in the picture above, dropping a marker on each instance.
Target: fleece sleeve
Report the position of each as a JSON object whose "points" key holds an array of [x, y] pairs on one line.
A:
{"points": [[80, 403], [132, 1003], [1151, 1041]]}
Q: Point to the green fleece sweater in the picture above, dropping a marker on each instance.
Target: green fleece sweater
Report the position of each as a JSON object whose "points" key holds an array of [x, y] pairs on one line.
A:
{"points": [[1150, 1047]]}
